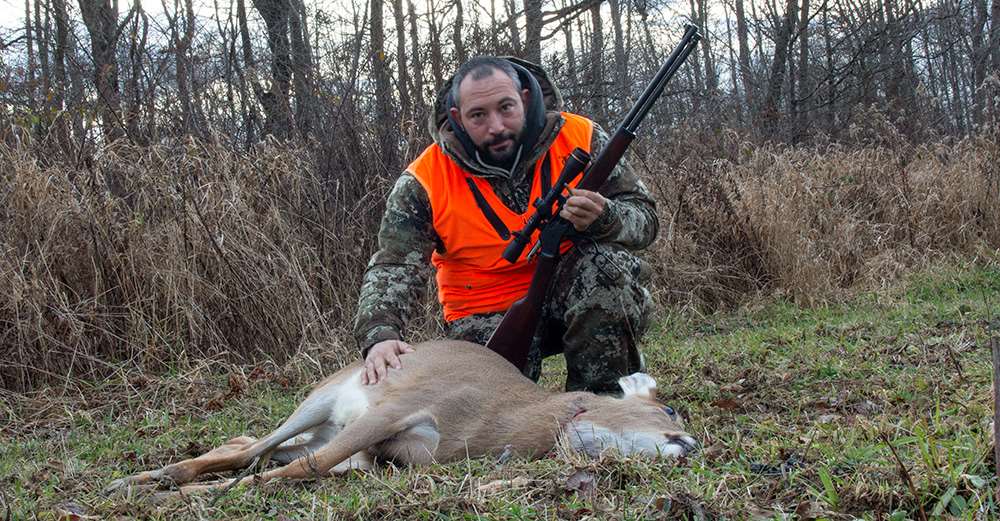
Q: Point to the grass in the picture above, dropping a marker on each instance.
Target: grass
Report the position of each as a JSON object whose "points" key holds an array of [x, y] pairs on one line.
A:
{"points": [[802, 413]]}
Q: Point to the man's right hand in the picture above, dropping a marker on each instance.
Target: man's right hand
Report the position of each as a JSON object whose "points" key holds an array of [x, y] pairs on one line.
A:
{"points": [[380, 357]]}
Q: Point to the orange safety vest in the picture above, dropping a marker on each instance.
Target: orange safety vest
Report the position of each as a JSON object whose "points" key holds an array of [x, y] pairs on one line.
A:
{"points": [[472, 277]]}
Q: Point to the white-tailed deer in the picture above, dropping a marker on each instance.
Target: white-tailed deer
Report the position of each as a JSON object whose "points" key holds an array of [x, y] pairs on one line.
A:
{"points": [[451, 400]]}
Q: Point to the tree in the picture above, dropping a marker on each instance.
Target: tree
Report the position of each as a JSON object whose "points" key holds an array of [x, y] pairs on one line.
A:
{"points": [[101, 20]]}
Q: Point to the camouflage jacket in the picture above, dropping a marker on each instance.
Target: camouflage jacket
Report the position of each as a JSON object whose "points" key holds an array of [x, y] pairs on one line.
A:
{"points": [[396, 277]]}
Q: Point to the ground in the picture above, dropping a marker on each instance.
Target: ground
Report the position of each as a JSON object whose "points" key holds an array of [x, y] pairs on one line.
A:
{"points": [[875, 407]]}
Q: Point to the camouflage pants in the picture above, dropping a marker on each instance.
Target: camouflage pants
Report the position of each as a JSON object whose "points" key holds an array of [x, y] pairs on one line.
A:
{"points": [[596, 310]]}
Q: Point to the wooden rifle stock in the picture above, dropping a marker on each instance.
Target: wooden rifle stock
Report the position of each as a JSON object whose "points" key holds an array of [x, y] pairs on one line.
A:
{"points": [[512, 338]]}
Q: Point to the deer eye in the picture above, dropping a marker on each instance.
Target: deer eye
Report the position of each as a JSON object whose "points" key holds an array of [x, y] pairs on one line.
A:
{"points": [[670, 411]]}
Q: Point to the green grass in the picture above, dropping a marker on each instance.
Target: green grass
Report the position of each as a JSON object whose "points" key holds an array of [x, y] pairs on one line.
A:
{"points": [[794, 407]]}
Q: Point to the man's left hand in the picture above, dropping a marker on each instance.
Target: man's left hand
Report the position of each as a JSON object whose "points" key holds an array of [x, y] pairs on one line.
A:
{"points": [[582, 208]]}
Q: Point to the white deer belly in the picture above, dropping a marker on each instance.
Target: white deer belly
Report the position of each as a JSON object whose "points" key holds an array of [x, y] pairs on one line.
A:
{"points": [[350, 400]]}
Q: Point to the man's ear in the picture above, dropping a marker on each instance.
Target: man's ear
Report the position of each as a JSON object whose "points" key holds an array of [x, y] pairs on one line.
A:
{"points": [[525, 96], [638, 384], [456, 115]]}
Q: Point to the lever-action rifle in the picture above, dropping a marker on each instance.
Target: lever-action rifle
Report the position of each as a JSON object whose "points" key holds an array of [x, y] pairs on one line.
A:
{"points": [[512, 338]]}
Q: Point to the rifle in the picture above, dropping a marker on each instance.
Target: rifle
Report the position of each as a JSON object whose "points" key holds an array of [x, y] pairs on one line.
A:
{"points": [[513, 336]]}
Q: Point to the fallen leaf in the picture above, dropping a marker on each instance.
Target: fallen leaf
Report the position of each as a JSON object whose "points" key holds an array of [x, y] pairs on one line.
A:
{"points": [[733, 388], [828, 418], [503, 484], [582, 482], [72, 512], [727, 404]]}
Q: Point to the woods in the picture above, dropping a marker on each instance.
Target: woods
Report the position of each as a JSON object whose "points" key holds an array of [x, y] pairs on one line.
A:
{"points": [[190, 191], [189, 179], [96, 71]]}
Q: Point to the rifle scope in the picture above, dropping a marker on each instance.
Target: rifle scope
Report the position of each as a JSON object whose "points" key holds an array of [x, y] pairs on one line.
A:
{"points": [[599, 171]]}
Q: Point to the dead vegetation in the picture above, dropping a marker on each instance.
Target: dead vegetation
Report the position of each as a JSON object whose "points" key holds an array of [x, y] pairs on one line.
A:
{"points": [[147, 258], [813, 221]]}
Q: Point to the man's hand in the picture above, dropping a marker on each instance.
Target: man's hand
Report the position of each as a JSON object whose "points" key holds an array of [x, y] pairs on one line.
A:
{"points": [[582, 208], [380, 356]]}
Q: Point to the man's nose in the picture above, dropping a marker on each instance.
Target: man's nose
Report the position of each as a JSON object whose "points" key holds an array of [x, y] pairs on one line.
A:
{"points": [[495, 123]]}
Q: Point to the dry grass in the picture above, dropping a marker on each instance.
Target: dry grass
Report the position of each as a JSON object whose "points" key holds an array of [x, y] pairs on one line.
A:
{"points": [[813, 221], [164, 254], [146, 259]]}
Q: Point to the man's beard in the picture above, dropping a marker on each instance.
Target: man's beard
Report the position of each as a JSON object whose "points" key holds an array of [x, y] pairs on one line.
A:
{"points": [[504, 159]]}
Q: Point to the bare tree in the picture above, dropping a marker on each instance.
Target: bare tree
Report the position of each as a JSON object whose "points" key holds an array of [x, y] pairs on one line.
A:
{"points": [[384, 122], [533, 30], [101, 19], [405, 85], [275, 102], [776, 76], [418, 81], [30, 44], [302, 66], [621, 59]]}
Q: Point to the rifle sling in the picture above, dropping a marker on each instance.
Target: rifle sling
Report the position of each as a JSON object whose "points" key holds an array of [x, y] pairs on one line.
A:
{"points": [[490, 214]]}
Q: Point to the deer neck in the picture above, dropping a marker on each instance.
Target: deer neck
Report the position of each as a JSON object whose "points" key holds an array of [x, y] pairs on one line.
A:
{"points": [[544, 418]]}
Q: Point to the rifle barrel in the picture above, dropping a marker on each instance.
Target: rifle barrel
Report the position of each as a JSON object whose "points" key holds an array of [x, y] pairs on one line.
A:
{"points": [[659, 82]]}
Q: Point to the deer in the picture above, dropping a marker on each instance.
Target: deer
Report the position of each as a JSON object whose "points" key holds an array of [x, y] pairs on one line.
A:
{"points": [[449, 401]]}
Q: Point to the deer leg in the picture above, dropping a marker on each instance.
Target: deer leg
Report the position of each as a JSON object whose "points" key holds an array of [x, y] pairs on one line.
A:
{"points": [[314, 411], [188, 469], [371, 429]]}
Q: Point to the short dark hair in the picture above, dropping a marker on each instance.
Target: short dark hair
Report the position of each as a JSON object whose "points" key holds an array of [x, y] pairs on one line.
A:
{"points": [[481, 67]]}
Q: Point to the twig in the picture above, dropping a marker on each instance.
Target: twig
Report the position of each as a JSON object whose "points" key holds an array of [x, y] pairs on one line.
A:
{"points": [[906, 476], [246, 472], [954, 360], [3, 499], [995, 347]]}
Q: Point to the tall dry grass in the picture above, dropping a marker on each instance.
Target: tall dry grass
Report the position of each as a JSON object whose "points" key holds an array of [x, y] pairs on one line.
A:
{"points": [[813, 221], [148, 258]]}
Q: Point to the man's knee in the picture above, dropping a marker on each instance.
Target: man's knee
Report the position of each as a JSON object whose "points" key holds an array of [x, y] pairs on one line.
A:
{"points": [[605, 279]]}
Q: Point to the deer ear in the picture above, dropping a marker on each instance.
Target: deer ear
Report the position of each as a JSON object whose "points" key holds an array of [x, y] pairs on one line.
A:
{"points": [[638, 384]]}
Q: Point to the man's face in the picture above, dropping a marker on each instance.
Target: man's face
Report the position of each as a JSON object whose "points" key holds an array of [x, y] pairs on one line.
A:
{"points": [[492, 112]]}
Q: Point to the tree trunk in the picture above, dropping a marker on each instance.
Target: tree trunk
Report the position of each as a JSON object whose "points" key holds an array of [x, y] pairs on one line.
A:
{"points": [[515, 34], [980, 60], [571, 51], [621, 59], [598, 97], [418, 69], [741, 36], [181, 35], [405, 84], [30, 44], [711, 75], [733, 71], [247, 84], [533, 30], [302, 67], [275, 102], [42, 39], [776, 76], [60, 46], [804, 82], [384, 121], [133, 96], [101, 20], [457, 34], [437, 60]]}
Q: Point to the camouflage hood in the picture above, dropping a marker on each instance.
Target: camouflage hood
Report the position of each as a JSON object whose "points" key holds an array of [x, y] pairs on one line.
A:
{"points": [[542, 123]]}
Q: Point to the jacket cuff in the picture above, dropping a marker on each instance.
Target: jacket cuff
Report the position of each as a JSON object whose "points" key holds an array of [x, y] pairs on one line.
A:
{"points": [[607, 223], [376, 335]]}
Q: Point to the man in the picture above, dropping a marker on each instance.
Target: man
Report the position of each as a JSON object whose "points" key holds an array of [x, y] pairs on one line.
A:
{"points": [[499, 139]]}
